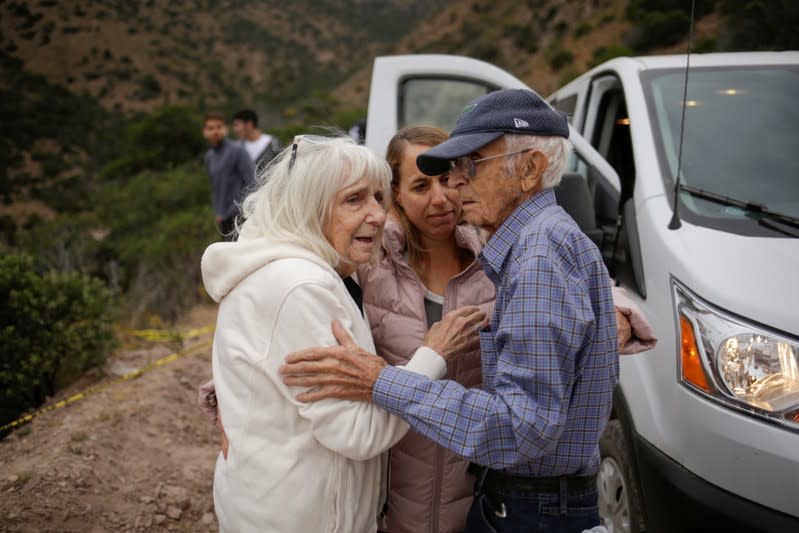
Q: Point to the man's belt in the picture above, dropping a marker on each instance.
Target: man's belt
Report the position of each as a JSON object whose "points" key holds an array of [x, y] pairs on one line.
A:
{"points": [[496, 479]]}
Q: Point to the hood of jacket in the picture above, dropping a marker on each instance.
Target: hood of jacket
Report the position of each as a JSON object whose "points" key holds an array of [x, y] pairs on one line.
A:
{"points": [[226, 264]]}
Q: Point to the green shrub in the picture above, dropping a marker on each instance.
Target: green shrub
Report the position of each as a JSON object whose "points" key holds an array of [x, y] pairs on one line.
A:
{"points": [[638, 8], [759, 25], [606, 53], [149, 87], [53, 326], [523, 37], [705, 46], [561, 27], [8, 230], [64, 244], [167, 137], [659, 28], [160, 223], [559, 58], [583, 29]]}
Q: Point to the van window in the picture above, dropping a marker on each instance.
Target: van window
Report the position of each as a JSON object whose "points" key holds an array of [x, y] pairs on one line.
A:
{"points": [[611, 138], [436, 101], [740, 141], [567, 105]]}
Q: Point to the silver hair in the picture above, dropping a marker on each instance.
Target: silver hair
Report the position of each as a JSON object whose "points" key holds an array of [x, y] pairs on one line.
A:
{"points": [[556, 149], [293, 205]]}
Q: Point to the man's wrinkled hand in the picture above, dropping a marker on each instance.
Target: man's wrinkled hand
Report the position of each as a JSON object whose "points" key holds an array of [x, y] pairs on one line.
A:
{"points": [[623, 328], [456, 333], [346, 372], [224, 444]]}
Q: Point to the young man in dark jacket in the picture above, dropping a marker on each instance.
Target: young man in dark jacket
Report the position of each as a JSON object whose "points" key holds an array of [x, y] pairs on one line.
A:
{"points": [[231, 172]]}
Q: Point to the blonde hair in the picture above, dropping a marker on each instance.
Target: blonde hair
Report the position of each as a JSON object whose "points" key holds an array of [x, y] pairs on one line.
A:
{"points": [[293, 204]]}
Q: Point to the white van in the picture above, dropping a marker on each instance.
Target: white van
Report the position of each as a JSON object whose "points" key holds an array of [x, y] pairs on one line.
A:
{"points": [[705, 427]]}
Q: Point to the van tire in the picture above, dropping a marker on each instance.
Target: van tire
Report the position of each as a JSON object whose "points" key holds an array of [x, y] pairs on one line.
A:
{"points": [[619, 495]]}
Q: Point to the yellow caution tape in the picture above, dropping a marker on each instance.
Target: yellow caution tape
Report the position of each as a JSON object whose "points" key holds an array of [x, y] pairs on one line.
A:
{"points": [[98, 388], [157, 335]]}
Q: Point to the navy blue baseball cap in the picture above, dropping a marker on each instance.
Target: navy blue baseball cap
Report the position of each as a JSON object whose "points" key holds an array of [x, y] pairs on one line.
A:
{"points": [[488, 118]]}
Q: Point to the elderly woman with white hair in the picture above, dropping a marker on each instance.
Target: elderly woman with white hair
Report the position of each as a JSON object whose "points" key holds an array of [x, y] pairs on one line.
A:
{"points": [[294, 466]]}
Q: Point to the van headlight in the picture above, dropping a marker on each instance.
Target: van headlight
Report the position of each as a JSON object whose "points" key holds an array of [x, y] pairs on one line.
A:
{"points": [[736, 362]]}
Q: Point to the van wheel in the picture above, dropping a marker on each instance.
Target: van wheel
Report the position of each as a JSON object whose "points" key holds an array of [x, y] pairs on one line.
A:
{"points": [[619, 497]]}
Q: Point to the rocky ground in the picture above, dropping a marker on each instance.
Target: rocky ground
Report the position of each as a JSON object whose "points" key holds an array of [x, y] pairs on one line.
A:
{"points": [[136, 456]]}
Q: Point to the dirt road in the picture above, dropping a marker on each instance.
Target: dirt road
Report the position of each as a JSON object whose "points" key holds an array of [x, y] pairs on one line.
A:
{"points": [[137, 456]]}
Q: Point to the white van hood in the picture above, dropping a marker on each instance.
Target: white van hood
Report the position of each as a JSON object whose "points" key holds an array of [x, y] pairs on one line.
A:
{"points": [[756, 278]]}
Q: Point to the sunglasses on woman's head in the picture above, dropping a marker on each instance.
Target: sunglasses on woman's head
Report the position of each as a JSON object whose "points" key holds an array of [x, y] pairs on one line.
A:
{"points": [[314, 139]]}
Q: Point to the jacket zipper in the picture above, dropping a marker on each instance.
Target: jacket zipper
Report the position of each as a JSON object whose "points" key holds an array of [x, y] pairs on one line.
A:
{"points": [[438, 458], [436, 487]]}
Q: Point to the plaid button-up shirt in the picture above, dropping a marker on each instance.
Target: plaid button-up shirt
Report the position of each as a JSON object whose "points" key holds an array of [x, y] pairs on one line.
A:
{"points": [[550, 356]]}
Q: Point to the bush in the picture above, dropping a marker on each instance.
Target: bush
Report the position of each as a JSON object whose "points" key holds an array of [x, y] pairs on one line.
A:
{"points": [[559, 58], [8, 231], [523, 37], [53, 326], [606, 53], [487, 51], [64, 244], [658, 29], [759, 25], [149, 87], [705, 46], [167, 137], [160, 223], [583, 29], [638, 8]]}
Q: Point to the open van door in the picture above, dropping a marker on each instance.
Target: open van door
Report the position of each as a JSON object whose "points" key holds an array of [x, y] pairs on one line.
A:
{"points": [[433, 89], [428, 89]]}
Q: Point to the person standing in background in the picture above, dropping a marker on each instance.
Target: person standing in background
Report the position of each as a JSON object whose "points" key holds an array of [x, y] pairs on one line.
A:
{"points": [[230, 170], [262, 148]]}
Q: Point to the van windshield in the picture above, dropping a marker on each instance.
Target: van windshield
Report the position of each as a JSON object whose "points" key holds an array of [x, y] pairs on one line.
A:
{"points": [[741, 141]]}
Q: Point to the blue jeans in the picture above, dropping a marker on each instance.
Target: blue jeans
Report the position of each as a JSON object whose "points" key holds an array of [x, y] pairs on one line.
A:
{"points": [[517, 511]]}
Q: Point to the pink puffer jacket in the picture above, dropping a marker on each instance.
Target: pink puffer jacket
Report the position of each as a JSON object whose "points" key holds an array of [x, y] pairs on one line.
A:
{"points": [[430, 490]]}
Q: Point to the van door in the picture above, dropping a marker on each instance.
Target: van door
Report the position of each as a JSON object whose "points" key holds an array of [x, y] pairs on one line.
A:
{"points": [[605, 123]]}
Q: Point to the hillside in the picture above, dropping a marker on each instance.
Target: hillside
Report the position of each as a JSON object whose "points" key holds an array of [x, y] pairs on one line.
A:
{"points": [[265, 53], [86, 86], [73, 75], [542, 42]]}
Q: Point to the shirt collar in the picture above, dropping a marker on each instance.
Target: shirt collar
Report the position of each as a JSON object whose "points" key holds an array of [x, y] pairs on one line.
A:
{"points": [[499, 245]]}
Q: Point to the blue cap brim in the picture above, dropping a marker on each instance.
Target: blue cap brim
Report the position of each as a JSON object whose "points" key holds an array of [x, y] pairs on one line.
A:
{"points": [[436, 160]]}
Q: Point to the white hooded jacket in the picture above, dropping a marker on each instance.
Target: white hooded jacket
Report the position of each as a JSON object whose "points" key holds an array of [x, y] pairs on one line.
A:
{"points": [[291, 466]]}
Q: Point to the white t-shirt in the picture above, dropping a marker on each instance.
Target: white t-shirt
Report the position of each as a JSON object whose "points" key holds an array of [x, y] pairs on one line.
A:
{"points": [[254, 148]]}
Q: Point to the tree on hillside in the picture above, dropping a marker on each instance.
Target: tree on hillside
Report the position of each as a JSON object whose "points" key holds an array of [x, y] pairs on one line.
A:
{"points": [[754, 25], [167, 137]]}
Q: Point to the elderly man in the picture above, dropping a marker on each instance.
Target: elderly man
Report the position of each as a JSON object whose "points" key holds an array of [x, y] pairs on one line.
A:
{"points": [[549, 355]]}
